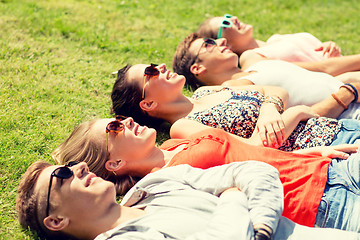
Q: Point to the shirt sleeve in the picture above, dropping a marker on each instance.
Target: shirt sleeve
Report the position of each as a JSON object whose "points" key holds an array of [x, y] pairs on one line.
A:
{"points": [[230, 220], [257, 180]]}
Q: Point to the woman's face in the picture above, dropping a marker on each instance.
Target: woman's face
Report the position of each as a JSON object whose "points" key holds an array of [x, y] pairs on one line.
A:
{"points": [[238, 35], [131, 143], [216, 58], [163, 87]]}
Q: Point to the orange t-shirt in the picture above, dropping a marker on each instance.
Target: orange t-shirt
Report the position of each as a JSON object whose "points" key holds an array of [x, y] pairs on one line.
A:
{"points": [[303, 175]]}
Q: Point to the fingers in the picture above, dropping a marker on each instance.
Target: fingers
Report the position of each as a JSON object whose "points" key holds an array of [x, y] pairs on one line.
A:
{"points": [[338, 154], [262, 134], [276, 134], [332, 50], [329, 49], [272, 134]]}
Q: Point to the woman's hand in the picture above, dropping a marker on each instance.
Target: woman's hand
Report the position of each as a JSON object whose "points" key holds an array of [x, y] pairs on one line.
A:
{"points": [[329, 49], [342, 151], [270, 126]]}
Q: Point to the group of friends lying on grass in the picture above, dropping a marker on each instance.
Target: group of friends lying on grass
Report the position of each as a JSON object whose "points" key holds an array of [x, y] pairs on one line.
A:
{"points": [[266, 148]]}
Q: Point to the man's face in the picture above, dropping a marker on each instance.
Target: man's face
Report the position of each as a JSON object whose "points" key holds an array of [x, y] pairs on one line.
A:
{"points": [[82, 195]]}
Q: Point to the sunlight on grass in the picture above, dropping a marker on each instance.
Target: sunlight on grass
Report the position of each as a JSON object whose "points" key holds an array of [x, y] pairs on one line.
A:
{"points": [[56, 58]]}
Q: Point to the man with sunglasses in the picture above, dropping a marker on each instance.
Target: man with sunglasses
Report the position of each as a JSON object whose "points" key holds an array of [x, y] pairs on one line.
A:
{"points": [[64, 202]]}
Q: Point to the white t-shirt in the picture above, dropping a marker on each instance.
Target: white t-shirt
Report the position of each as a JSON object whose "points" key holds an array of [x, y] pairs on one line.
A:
{"points": [[305, 87]]}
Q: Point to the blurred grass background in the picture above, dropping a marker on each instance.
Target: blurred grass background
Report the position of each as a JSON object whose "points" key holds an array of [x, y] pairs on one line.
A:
{"points": [[56, 58]]}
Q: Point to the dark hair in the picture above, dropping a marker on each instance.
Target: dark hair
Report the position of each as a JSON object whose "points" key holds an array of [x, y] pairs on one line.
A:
{"points": [[31, 207], [205, 30], [183, 60], [126, 97]]}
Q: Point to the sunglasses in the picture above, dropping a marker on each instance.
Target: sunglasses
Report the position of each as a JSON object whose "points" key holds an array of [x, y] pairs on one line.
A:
{"points": [[150, 71], [115, 126], [63, 172], [209, 44], [226, 23]]}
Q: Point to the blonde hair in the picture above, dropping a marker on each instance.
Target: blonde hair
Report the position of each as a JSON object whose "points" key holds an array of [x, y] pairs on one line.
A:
{"points": [[30, 206], [82, 146]]}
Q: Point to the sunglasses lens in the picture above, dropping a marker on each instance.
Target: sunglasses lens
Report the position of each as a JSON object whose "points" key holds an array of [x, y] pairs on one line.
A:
{"points": [[226, 22], [151, 70], [63, 172], [72, 163], [120, 117], [115, 126], [209, 41]]}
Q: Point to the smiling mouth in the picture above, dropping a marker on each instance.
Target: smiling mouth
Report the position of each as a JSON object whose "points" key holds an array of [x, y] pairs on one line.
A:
{"points": [[90, 179], [170, 75], [138, 129]]}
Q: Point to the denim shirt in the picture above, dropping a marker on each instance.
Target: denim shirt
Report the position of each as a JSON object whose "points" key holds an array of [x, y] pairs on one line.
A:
{"points": [[186, 203]]}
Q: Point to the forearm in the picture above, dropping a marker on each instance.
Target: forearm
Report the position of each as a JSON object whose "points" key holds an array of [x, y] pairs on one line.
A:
{"points": [[333, 66], [330, 107], [292, 116]]}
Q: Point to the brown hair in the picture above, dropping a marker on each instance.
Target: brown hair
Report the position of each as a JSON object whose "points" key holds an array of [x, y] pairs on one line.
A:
{"points": [[183, 60], [81, 146], [31, 207], [126, 96], [205, 30]]}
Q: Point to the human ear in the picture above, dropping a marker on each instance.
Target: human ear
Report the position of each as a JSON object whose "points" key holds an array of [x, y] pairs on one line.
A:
{"points": [[197, 69], [114, 165], [56, 223], [148, 106]]}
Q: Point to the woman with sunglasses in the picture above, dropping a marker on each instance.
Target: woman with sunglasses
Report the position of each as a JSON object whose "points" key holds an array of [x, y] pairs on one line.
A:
{"points": [[122, 151], [302, 49], [205, 61], [298, 47], [153, 94], [235, 110]]}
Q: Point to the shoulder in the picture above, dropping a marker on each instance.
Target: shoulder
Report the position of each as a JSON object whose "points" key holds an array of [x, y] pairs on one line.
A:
{"points": [[249, 58]]}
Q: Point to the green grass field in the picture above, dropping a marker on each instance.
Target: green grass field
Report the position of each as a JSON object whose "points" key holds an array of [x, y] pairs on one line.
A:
{"points": [[56, 58]]}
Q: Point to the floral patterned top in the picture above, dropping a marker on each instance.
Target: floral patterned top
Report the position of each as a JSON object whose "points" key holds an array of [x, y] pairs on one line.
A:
{"points": [[239, 114]]}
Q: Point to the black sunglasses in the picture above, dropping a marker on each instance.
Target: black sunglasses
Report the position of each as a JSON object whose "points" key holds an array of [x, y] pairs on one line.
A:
{"points": [[63, 173]]}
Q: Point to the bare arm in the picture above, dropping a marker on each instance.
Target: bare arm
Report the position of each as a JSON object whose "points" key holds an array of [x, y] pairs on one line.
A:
{"points": [[293, 115], [330, 107], [340, 151], [333, 66]]}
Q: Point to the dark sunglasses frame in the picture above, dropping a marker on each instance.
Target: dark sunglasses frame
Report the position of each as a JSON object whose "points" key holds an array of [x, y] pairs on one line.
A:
{"points": [[150, 71], [208, 41], [226, 23], [63, 172]]}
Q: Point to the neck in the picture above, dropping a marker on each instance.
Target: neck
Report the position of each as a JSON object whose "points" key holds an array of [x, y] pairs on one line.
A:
{"points": [[253, 43], [174, 110], [115, 215], [212, 79]]}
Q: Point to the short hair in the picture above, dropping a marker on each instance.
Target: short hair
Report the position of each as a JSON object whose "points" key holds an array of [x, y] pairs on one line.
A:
{"points": [[81, 146], [30, 207], [183, 60], [126, 97], [205, 30]]}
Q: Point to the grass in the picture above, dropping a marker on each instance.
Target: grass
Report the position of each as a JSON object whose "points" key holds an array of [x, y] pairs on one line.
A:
{"points": [[56, 58]]}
